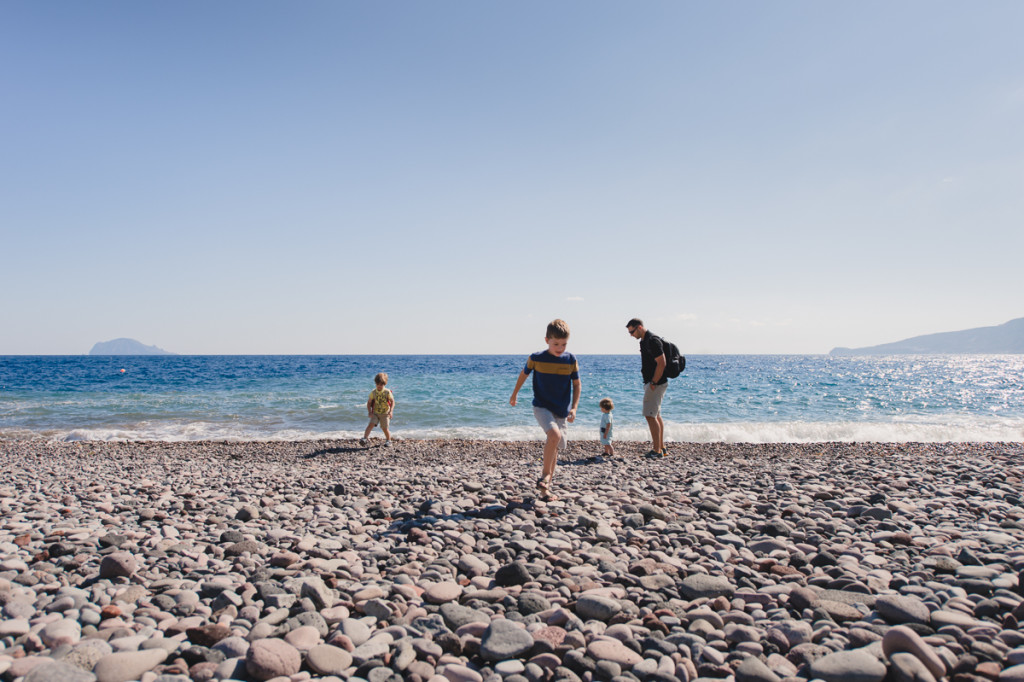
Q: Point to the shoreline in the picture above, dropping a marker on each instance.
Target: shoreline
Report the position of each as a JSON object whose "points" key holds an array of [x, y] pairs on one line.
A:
{"points": [[574, 444], [434, 558]]}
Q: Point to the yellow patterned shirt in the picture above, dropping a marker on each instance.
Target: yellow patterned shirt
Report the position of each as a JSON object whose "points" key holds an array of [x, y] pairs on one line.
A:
{"points": [[381, 400]]}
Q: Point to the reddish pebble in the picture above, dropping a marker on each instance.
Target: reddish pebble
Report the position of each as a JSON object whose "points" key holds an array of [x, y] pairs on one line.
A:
{"points": [[989, 669], [439, 593]]}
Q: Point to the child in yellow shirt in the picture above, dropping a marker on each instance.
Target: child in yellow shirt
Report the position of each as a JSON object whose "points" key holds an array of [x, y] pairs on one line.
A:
{"points": [[380, 407]]}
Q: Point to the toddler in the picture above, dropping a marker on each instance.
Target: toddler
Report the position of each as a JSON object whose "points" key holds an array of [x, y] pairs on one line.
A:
{"points": [[380, 407], [606, 426]]}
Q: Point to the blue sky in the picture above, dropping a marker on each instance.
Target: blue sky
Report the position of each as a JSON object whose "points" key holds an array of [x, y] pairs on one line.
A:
{"points": [[446, 177]]}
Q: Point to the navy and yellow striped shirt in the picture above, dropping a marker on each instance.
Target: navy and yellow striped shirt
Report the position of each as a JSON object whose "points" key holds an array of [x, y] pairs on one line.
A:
{"points": [[552, 380]]}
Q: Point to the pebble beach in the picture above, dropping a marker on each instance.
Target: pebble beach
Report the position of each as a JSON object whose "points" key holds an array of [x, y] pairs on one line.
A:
{"points": [[435, 561]]}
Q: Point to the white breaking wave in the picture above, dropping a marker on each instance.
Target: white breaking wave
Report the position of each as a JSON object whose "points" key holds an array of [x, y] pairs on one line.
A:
{"points": [[845, 432], [901, 431], [196, 431]]}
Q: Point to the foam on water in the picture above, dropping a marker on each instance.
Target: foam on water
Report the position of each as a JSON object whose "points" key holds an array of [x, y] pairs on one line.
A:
{"points": [[842, 432], [736, 432]]}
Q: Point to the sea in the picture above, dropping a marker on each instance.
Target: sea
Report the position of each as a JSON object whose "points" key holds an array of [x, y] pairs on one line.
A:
{"points": [[719, 398]]}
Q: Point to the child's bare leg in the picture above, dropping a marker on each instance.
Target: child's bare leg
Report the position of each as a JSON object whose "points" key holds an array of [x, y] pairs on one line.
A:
{"points": [[609, 450], [387, 432], [369, 427], [554, 436]]}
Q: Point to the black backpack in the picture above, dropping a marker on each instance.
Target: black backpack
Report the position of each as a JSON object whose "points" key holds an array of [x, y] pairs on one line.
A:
{"points": [[675, 362]]}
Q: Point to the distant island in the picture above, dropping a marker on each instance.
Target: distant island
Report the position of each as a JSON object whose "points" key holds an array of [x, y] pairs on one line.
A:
{"points": [[126, 347], [1006, 338]]}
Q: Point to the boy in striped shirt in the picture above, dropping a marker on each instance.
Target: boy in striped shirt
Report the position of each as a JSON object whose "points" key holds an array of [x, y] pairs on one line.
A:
{"points": [[556, 395]]}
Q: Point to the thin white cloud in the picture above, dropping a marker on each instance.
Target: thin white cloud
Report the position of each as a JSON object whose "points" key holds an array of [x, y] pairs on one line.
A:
{"points": [[574, 299], [770, 323]]}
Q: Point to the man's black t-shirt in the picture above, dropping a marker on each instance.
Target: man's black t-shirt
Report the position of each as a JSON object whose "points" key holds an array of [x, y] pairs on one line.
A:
{"points": [[651, 348]]}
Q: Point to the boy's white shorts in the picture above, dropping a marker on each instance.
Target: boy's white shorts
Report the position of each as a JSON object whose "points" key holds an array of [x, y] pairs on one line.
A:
{"points": [[547, 420]]}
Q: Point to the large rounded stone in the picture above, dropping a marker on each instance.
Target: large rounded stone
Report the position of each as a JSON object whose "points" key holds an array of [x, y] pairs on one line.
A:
{"points": [[128, 665], [1012, 674], [840, 612], [245, 546], [803, 598], [595, 607], [61, 632], [849, 666], [58, 671], [356, 630], [532, 602], [328, 660], [269, 658], [902, 638], [456, 615], [752, 669], [512, 574], [944, 617], [21, 667], [900, 609], [232, 647], [904, 667], [207, 635], [767, 546], [14, 627], [703, 586], [118, 565], [504, 639], [376, 647], [455, 672], [608, 649], [795, 632], [88, 653], [303, 638], [442, 593]]}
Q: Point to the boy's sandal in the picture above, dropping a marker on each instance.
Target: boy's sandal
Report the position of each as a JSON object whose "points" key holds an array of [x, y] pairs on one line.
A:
{"points": [[544, 484]]}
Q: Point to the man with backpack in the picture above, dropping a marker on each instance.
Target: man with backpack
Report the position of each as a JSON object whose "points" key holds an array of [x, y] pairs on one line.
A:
{"points": [[654, 368]]}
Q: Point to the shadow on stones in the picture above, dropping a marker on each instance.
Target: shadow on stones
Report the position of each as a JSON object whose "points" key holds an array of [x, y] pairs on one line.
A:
{"points": [[334, 451], [587, 461], [404, 522]]}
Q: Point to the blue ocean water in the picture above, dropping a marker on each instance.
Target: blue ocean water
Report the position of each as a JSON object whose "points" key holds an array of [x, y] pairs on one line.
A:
{"points": [[725, 398]]}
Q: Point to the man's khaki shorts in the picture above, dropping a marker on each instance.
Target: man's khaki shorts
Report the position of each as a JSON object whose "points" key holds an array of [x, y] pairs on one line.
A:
{"points": [[652, 399]]}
